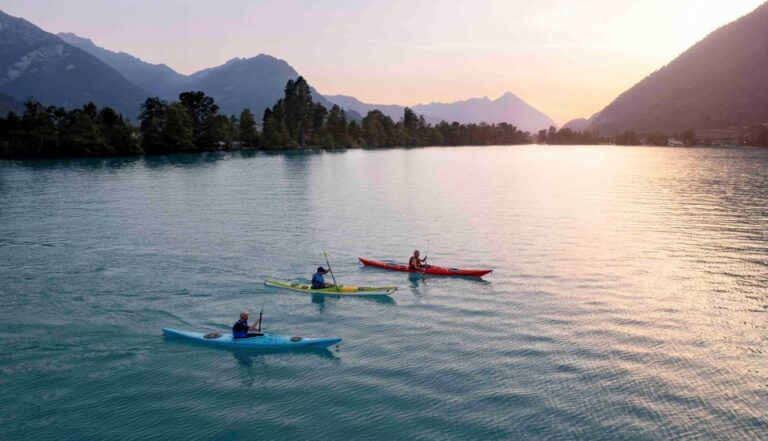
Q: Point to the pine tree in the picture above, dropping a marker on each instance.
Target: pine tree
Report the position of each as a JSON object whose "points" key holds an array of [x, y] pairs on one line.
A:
{"points": [[247, 129]]}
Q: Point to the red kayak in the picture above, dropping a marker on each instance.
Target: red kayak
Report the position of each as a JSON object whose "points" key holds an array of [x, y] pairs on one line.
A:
{"points": [[429, 269]]}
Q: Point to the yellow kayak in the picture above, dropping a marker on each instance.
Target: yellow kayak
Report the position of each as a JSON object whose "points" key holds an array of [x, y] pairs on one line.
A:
{"points": [[341, 290]]}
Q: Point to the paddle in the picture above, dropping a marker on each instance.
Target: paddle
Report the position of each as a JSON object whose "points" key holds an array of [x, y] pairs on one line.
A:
{"points": [[261, 313], [338, 289]]}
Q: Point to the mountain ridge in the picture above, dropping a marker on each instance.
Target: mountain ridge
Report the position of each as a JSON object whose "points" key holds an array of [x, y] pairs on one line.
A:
{"points": [[507, 108], [254, 82], [37, 64], [718, 82], [464, 111], [159, 79]]}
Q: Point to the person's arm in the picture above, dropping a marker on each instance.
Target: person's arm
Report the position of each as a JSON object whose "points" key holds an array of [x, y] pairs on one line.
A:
{"points": [[255, 325]]}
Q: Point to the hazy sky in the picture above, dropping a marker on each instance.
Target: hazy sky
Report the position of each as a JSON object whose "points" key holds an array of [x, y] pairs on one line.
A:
{"points": [[567, 58]]}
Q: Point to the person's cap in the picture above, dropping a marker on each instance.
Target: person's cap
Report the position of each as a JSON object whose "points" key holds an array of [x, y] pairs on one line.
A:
{"points": [[320, 269]]}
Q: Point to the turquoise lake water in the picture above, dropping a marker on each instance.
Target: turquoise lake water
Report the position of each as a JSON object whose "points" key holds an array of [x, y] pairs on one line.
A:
{"points": [[629, 298]]}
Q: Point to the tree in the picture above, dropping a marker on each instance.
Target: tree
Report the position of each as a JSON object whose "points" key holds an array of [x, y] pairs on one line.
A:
{"points": [[40, 135], [10, 133], [80, 134], [319, 117], [223, 131], [658, 139], [542, 137], [627, 138], [247, 129], [203, 111], [762, 138], [410, 128], [355, 133], [378, 129], [178, 132], [118, 134], [552, 135], [152, 119], [274, 134], [337, 127], [299, 110], [689, 137]]}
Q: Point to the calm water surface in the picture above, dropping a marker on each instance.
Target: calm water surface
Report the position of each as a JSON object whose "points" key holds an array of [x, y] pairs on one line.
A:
{"points": [[629, 298]]}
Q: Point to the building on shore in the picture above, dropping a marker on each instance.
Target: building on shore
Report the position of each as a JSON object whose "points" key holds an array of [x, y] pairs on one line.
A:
{"points": [[672, 142]]}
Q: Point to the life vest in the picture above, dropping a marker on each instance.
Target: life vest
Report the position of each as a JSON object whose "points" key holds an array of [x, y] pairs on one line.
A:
{"points": [[240, 329]]}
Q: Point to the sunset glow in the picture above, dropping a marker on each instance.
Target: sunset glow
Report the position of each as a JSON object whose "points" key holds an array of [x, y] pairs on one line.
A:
{"points": [[567, 58]]}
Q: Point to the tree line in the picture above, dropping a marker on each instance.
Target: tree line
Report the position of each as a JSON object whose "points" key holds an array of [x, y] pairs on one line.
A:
{"points": [[296, 121], [754, 136], [193, 123]]}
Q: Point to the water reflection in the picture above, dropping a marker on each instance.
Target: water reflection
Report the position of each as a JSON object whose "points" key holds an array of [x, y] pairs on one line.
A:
{"points": [[108, 165], [184, 160], [255, 368], [321, 300], [419, 283]]}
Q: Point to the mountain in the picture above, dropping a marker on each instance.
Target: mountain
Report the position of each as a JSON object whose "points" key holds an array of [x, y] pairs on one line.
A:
{"points": [[721, 81], [580, 124], [394, 111], [8, 104], [256, 83], [158, 79], [37, 64], [507, 108]]}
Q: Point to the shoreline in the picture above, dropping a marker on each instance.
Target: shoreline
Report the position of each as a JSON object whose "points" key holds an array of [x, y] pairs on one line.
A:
{"points": [[257, 150]]}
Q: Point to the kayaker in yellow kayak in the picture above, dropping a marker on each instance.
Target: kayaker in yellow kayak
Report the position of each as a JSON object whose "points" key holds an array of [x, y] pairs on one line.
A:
{"points": [[318, 282], [415, 263]]}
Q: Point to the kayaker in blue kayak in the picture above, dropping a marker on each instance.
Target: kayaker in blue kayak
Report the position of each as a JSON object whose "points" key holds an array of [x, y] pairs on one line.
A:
{"points": [[415, 263], [318, 281], [240, 328]]}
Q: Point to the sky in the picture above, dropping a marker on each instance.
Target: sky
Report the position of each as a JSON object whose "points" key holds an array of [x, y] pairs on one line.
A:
{"points": [[567, 58]]}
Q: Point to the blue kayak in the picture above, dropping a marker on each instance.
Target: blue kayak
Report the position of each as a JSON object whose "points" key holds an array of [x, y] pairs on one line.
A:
{"points": [[262, 341]]}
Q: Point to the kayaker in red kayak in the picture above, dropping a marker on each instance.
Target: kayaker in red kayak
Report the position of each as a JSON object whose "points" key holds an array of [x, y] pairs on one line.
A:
{"points": [[415, 263], [426, 269]]}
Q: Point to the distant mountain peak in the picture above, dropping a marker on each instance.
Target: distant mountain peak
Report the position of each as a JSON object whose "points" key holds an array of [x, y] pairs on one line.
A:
{"points": [[508, 108], [72, 35], [509, 97]]}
